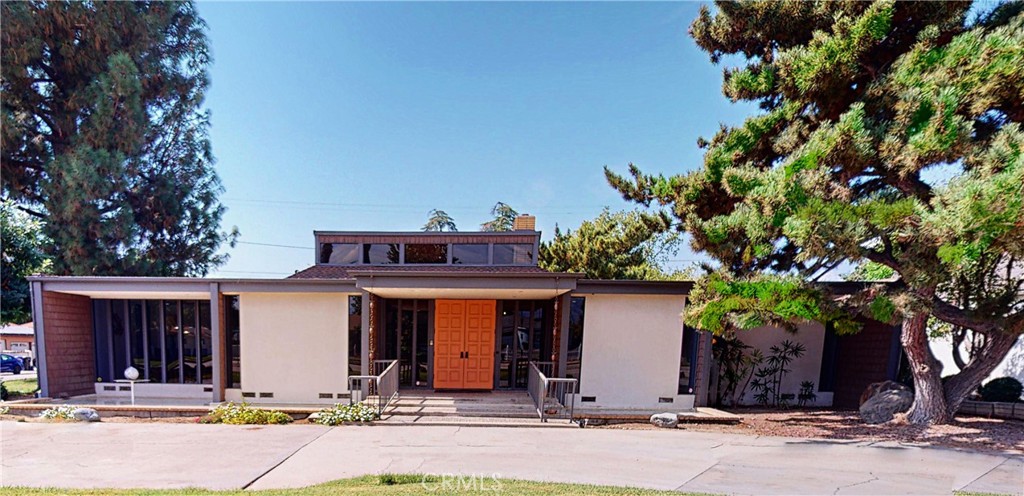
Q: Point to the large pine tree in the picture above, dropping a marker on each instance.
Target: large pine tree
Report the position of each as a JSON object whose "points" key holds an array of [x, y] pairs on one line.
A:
{"points": [[889, 132], [105, 138]]}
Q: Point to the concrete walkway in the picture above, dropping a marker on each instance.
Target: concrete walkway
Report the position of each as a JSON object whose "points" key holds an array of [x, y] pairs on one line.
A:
{"points": [[213, 456]]}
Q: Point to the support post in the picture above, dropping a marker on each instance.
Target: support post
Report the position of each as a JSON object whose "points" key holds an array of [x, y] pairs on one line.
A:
{"points": [[217, 337], [37, 319]]}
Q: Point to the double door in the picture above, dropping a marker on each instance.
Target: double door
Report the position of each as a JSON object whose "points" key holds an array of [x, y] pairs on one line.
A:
{"points": [[464, 344]]}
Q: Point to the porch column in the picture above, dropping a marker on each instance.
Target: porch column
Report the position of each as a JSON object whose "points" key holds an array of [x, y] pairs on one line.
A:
{"points": [[365, 326], [40, 351], [217, 338]]}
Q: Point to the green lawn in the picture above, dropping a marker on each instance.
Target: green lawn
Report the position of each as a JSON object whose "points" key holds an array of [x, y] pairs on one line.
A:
{"points": [[376, 484], [22, 387]]}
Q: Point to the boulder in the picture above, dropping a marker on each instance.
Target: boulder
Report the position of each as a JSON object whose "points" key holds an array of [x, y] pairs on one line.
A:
{"points": [[666, 420], [878, 387], [86, 415], [881, 407]]}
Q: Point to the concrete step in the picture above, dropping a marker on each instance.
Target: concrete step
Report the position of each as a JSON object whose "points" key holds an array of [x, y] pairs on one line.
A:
{"points": [[400, 409], [473, 421]]}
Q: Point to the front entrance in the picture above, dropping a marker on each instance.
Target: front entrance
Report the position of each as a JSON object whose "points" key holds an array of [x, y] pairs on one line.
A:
{"points": [[464, 344]]}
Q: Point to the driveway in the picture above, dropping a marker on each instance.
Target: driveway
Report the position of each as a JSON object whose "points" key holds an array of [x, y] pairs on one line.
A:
{"points": [[180, 455]]}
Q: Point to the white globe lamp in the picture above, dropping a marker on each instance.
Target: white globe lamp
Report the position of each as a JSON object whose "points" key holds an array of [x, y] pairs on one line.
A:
{"points": [[131, 373]]}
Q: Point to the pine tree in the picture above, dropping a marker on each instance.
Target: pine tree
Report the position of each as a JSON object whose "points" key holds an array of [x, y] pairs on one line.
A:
{"points": [[439, 220], [863, 105], [504, 218], [105, 138]]}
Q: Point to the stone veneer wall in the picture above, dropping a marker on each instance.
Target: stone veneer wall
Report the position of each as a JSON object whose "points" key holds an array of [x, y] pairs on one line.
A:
{"points": [[68, 343]]}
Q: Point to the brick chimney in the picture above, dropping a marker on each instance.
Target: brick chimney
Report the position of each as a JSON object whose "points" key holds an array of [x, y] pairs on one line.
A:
{"points": [[525, 222]]}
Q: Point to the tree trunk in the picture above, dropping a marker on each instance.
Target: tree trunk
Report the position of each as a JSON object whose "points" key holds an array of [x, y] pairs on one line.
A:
{"points": [[929, 397], [995, 348]]}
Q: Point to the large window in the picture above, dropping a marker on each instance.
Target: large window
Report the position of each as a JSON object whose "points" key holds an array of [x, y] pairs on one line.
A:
{"points": [[574, 353], [355, 335], [433, 253], [513, 254], [470, 254], [166, 340], [339, 253], [688, 361], [233, 360], [380, 254]]}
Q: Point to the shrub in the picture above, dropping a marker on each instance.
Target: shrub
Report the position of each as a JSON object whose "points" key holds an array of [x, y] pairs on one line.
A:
{"points": [[63, 412], [1002, 389], [340, 414], [3, 392], [230, 413]]}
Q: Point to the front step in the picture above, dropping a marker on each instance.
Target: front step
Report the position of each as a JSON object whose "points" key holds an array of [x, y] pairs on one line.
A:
{"points": [[473, 421]]}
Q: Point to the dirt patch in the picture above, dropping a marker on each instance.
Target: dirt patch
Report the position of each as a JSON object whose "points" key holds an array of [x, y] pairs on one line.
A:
{"points": [[974, 433]]}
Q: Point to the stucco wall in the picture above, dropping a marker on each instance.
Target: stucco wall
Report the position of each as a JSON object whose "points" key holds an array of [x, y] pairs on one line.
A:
{"points": [[631, 352], [1012, 365], [294, 346], [805, 368]]}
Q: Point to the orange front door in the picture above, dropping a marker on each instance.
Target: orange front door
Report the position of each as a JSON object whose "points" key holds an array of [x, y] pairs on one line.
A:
{"points": [[464, 344]]}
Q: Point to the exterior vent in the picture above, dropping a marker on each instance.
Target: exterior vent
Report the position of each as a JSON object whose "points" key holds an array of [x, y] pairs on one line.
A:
{"points": [[524, 222], [208, 389], [588, 399], [266, 395], [665, 399], [110, 388], [248, 395], [326, 395], [124, 388]]}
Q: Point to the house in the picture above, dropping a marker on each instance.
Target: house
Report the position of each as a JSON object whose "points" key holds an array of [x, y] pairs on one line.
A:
{"points": [[17, 337], [450, 310]]}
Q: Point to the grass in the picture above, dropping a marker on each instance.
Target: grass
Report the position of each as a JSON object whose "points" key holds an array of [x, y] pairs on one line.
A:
{"points": [[374, 484], [22, 387]]}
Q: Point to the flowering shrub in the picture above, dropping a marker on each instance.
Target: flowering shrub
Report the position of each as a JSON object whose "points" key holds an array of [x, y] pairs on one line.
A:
{"points": [[230, 413], [63, 412], [340, 414]]}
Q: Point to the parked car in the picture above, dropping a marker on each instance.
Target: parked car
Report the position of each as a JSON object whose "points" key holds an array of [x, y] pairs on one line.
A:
{"points": [[10, 363]]}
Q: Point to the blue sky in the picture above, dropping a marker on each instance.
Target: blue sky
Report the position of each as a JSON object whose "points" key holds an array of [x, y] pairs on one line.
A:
{"points": [[364, 116]]}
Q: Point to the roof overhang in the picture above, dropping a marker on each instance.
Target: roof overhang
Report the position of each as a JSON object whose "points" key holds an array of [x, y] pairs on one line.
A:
{"points": [[610, 286], [182, 287], [493, 286]]}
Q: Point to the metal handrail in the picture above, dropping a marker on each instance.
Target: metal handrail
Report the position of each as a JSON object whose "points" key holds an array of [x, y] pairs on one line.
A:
{"points": [[383, 386], [557, 389]]}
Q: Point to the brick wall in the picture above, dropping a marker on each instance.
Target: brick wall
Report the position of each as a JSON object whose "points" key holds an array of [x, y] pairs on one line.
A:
{"points": [[70, 352], [861, 359]]}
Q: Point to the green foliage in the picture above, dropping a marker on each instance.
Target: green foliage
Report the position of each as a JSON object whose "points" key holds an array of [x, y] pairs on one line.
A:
{"points": [[3, 392], [1006, 389], [504, 218], [342, 414], [105, 139], [438, 221], [243, 414], [63, 412], [871, 271], [22, 256], [623, 245]]}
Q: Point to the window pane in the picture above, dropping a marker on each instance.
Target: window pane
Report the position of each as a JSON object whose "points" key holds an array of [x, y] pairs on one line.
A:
{"points": [[469, 254], [234, 356], [205, 344], [355, 335], [119, 335], [426, 253], [172, 342], [155, 340], [379, 254], [101, 324], [574, 353], [189, 342], [508, 254], [686, 360], [339, 253], [135, 328]]}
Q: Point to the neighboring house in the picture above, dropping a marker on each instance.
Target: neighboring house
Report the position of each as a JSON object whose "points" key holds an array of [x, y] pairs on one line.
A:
{"points": [[17, 337], [457, 311]]}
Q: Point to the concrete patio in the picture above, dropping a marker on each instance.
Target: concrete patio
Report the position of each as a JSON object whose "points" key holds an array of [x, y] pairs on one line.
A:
{"points": [[154, 455]]}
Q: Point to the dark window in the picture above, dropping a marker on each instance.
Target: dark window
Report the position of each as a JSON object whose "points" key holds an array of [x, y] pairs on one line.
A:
{"points": [[508, 254], [339, 253], [355, 335], [119, 337], [574, 353], [688, 361], [233, 360], [137, 341], [154, 341], [378, 254], [172, 340], [104, 357], [189, 342], [469, 254], [205, 344], [827, 376], [426, 253]]}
